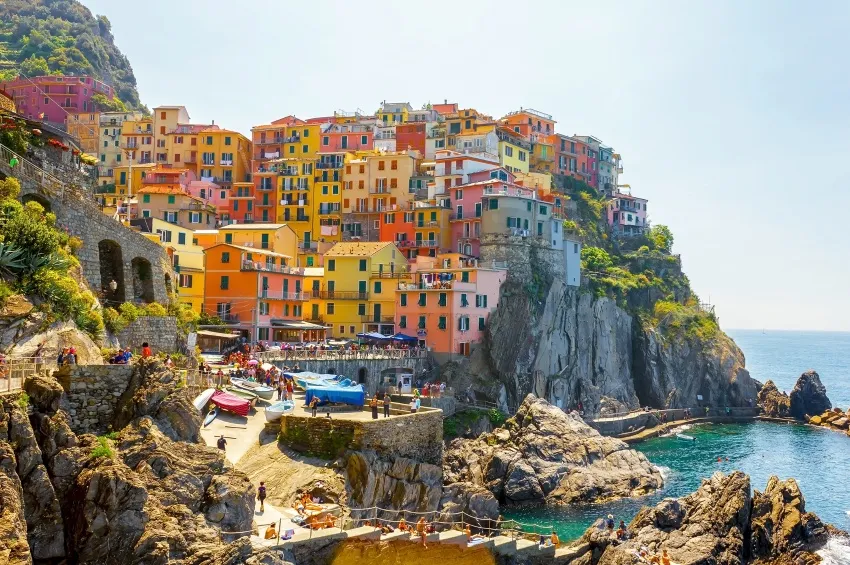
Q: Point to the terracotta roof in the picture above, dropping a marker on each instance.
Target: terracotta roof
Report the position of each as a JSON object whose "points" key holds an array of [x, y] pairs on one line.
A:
{"points": [[356, 248]]}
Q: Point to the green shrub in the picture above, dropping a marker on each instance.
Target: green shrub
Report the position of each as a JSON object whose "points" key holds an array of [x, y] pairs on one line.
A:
{"points": [[23, 401], [130, 312], [112, 436], [595, 259], [113, 321], [104, 449], [155, 309], [496, 417]]}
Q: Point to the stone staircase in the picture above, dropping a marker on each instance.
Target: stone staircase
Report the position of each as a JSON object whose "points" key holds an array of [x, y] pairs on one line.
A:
{"points": [[26, 169]]}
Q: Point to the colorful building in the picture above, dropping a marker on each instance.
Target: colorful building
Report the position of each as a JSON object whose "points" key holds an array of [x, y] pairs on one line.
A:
{"points": [[52, 98], [592, 156], [627, 214], [466, 205], [164, 194], [109, 151], [610, 167], [279, 238], [529, 123], [514, 150], [86, 128], [258, 293], [358, 290], [393, 112], [517, 211], [448, 303], [453, 169]]}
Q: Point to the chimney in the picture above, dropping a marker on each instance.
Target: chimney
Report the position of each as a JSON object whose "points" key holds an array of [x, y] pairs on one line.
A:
{"points": [[445, 100]]}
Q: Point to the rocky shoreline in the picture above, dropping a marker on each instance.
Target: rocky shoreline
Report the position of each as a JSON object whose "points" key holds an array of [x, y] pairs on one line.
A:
{"points": [[807, 403]]}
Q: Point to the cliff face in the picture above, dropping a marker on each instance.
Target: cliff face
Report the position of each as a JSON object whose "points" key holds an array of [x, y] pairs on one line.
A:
{"points": [[149, 494], [571, 347]]}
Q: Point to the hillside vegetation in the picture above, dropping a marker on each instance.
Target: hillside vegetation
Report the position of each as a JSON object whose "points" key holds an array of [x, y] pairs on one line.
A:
{"points": [[39, 37], [641, 273]]}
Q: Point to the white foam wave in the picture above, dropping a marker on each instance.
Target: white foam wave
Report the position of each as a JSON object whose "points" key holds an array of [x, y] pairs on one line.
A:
{"points": [[665, 472], [836, 551], [677, 430]]}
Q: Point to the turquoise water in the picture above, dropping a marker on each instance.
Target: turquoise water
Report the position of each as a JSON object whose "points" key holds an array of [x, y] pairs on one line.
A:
{"points": [[783, 356], [818, 458]]}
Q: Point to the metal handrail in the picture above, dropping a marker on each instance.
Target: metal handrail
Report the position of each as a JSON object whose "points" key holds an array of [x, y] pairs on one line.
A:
{"points": [[28, 169]]}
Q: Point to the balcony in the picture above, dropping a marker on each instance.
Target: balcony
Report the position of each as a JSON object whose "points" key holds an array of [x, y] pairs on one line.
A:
{"points": [[308, 245], [377, 319], [331, 165], [428, 224], [227, 317], [278, 295], [379, 190], [272, 141], [263, 156], [289, 172], [328, 210], [226, 162], [190, 159], [270, 268], [292, 139], [294, 202], [391, 271], [340, 295]]}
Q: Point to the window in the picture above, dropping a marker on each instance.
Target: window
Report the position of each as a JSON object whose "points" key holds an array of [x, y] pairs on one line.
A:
{"points": [[227, 141], [364, 140], [330, 308], [442, 301], [171, 198], [403, 299], [481, 324], [394, 165], [402, 321], [377, 287], [146, 198], [494, 204], [381, 165], [423, 299], [306, 133], [305, 148], [194, 217], [361, 309], [464, 276], [181, 238], [361, 287], [362, 264], [528, 206], [225, 257], [459, 212], [522, 155], [421, 322], [184, 281], [332, 264], [509, 151], [543, 210], [225, 282], [478, 209], [264, 308], [463, 301], [442, 323], [228, 238], [463, 323]]}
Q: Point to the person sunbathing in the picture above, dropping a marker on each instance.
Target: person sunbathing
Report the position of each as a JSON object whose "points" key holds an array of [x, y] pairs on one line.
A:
{"points": [[271, 533], [402, 525]]}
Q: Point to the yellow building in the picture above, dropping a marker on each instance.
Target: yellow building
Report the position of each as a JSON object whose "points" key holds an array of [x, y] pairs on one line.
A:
{"points": [[466, 122], [220, 155], [514, 150], [137, 140], [542, 154], [327, 197], [109, 151], [432, 231], [86, 128], [356, 294], [295, 183], [375, 182], [128, 181], [279, 238], [393, 112], [314, 309], [187, 257]]}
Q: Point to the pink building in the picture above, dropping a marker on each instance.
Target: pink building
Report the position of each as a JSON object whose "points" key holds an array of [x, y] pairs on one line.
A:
{"points": [[55, 96], [448, 303], [466, 205], [627, 214]]}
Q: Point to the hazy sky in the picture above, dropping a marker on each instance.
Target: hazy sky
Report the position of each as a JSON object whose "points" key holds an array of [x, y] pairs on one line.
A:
{"points": [[731, 117]]}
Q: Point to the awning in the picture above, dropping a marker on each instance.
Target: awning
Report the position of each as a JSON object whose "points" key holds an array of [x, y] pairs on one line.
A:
{"points": [[297, 325], [208, 333], [373, 335], [404, 337]]}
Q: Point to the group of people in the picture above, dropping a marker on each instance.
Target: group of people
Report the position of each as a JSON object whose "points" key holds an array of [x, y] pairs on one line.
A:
{"points": [[68, 356], [621, 533], [124, 355], [385, 402], [436, 390]]}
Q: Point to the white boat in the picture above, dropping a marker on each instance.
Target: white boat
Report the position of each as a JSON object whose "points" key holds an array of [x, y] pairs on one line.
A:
{"points": [[203, 399], [686, 437], [261, 390], [278, 409], [210, 417]]}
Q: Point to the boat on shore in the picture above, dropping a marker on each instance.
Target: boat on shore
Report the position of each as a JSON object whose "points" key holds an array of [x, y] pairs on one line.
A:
{"points": [[210, 417], [240, 392], [278, 409], [232, 403], [261, 390], [202, 399]]}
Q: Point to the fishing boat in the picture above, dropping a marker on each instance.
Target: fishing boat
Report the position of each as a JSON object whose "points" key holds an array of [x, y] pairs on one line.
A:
{"points": [[278, 409], [202, 399], [261, 390], [232, 403], [686, 437], [240, 392], [210, 416], [307, 378]]}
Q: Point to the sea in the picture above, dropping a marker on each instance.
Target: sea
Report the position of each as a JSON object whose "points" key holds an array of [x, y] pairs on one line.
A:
{"points": [[819, 459]]}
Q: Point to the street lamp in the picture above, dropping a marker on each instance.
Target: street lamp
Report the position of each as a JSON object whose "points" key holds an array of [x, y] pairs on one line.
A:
{"points": [[113, 286]]}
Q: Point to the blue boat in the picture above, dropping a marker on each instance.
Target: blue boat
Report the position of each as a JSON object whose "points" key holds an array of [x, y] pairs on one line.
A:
{"points": [[354, 395]]}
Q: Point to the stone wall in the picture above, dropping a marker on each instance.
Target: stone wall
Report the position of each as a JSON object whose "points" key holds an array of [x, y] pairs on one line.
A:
{"points": [[93, 393], [416, 436], [351, 368], [161, 333], [524, 256], [127, 255]]}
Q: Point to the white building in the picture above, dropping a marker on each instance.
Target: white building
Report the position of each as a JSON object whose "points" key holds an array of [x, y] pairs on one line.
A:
{"points": [[572, 260]]}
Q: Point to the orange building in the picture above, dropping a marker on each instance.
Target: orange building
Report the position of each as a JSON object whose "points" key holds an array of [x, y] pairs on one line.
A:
{"points": [[528, 122], [257, 292], [268, 140]]}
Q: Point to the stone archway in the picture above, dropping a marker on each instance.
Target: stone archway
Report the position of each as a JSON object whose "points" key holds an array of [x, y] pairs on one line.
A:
{"points": [[33, 197], [111, 270], [361, 375], [142, 280]]}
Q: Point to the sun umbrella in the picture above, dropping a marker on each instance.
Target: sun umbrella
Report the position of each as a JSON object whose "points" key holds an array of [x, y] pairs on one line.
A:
{"points": [[253, 362]]}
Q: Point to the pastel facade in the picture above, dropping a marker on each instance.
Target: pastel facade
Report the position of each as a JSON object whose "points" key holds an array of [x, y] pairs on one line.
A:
{"points": [[52, 98], [86, 128], [109, 151], [448, 302], [627, 214], [358, 290], [164, 195]]}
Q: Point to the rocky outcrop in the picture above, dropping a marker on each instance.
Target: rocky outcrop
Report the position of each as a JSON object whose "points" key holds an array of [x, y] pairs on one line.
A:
{"points": [[546, 455], [569, 347], [721, 523], [809, 396], [142, 496], [774, 403]]}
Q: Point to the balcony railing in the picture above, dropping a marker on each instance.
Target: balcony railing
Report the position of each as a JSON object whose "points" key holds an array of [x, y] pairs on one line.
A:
{"points": [[341, 295], [377, 319], [228, 318], [269, 268], [332, 165], [308, 245], [326, 210], [272, 141], [292, 139], [419, 243], [278, 295]]}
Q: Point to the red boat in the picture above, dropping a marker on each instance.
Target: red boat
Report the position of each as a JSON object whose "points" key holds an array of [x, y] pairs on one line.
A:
{"points": [[231, 403]]}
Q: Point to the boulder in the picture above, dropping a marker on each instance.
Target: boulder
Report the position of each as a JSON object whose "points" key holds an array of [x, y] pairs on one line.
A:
{"points": [[472, 503], [841, 423], [809, 396], [780, 525], [543, 454], [44, 393], [815, 420], [774, 403], [13, 525]]}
